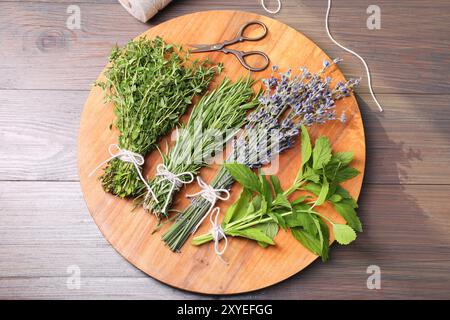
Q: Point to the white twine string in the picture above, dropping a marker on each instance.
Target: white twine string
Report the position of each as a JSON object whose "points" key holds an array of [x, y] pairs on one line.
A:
{"points": [[209, 194], [175, 179], [217, 233], [327, 27], [369, 81], [271, 11], [126, 156], [156, 5], [144, 9]]}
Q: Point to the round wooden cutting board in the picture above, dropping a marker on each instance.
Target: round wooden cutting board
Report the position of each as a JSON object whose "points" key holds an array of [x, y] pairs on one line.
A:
{"points": [[197, 268]]}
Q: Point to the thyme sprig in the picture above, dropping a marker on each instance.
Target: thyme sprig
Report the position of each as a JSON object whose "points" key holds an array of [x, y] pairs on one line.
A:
{"points": [[150, 84]]}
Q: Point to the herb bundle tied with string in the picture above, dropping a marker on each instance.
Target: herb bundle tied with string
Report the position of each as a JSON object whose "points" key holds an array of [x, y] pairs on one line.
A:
{"points": [[214, 120], [151, 84]]}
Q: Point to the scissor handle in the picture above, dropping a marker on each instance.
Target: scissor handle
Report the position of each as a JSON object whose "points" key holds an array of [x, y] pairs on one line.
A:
{"points": [[241, 37], [241, 57]]}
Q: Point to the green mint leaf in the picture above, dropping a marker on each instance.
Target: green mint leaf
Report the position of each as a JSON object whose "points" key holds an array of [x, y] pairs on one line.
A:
{"points": [[253, 234], [345, 158], [299, 219], [276, 184], [282, 201], [246, 177], [332, 189], [335, 198], [351, 202], [346, 197], [256, 203], [306, 146], [313, 188], [345, 173], [266, 190], [299, 200], [343, 234], [318, 231], [325, 240], [264, 206], [270, 229], [332, 168], [239, 208], [343, 193], [346, 210], [310, 175], [321, 153], [309, 241], [276, 217], [322, 197]]}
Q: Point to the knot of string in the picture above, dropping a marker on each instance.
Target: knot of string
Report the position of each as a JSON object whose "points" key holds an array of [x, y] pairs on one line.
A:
{"points": [[209, 194], [176, 181], [130, 157]]}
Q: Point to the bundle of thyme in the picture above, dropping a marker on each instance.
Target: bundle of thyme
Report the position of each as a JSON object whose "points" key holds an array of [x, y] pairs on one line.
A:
{"points": [[306, 98], [214, 120], [263, 206], [151, 84]]}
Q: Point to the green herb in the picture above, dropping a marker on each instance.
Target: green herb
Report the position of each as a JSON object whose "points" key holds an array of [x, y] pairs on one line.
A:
{"points": [[215, 119], [263, 207], [151, 84]]}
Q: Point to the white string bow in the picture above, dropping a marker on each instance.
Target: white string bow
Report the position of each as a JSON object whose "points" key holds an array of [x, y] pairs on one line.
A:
{"points": [[126, 156], [176, 180], [209, 194]]}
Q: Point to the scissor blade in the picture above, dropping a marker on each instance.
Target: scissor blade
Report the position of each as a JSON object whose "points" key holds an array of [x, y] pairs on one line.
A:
{"points": [[205, 47]]}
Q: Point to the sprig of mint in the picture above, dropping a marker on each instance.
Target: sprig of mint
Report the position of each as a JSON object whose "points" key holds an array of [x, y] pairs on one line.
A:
{"points": [[264, 207]]}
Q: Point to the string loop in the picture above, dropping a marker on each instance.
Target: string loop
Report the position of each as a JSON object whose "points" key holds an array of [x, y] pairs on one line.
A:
{"points": [[271, 11], [217, 233]]}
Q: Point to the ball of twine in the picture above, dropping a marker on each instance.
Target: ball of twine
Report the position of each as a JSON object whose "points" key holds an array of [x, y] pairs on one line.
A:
{"points": [[144, 9]]}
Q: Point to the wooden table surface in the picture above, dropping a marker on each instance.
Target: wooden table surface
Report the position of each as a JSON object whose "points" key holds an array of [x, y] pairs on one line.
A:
{"points": [[46, 71]]}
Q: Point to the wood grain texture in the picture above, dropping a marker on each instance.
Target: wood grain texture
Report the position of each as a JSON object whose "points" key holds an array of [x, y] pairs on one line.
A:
{"points": [[406, 182], [197, 269], [49, 53], [45, 227]]}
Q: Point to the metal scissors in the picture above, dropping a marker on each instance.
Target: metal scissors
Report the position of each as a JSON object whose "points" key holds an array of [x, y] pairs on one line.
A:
{"points": [[240, 55]]}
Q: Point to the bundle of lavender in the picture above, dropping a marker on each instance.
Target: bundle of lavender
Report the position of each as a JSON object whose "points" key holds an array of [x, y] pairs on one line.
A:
{"points": [[304, 99], [214, 120]]}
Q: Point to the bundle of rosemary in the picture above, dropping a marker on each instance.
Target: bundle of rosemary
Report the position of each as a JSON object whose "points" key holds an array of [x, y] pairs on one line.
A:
{"points": [[214, 120], [306, 98], [263, 206], [151, 84]]}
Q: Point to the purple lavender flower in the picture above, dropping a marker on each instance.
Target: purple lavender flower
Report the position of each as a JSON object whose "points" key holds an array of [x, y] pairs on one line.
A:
{"points": [[306, 98]]}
